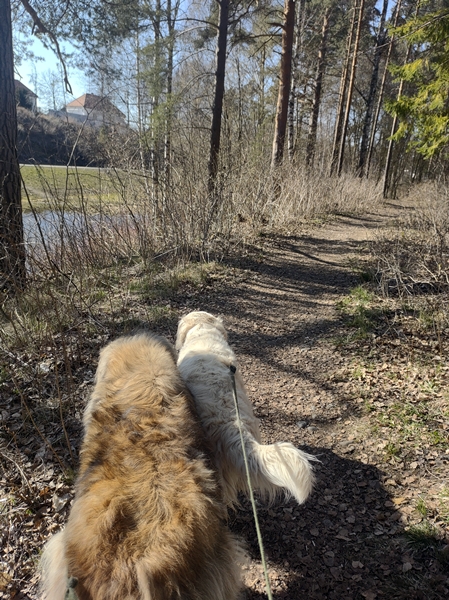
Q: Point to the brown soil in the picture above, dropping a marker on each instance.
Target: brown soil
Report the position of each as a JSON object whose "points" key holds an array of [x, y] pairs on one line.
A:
{"points": [[312, 384]]}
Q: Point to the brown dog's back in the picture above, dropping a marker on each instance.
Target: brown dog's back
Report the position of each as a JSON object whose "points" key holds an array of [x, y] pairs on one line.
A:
{"points": [[147, 521]]}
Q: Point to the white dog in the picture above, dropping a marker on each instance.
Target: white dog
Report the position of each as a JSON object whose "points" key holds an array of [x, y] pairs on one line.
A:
{"points": [[204, 363]]}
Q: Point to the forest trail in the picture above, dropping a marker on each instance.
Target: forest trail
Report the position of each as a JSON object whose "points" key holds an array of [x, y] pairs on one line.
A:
{"points": [[347, 542]]}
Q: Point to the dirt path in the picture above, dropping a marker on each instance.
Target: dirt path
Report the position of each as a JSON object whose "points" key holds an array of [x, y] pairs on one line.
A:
{"points": [[339, 401], [345, 543]]}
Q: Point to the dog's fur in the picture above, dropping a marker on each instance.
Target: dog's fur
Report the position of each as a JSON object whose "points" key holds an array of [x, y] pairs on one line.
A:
{"points": [[204, 360], [147, 521]]}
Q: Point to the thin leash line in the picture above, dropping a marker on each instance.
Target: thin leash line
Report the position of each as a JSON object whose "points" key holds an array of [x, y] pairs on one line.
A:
{"points": [[250, 487]]}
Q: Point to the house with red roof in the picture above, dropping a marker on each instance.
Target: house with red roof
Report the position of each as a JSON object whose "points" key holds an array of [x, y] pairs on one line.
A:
{"points": [[95, 111]]}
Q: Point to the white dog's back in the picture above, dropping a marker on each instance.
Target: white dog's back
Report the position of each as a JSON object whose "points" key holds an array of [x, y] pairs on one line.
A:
{"points": [[204, 363]]}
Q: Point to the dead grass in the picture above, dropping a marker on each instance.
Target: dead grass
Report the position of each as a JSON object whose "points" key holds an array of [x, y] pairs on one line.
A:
{"points": [[412, 256]]}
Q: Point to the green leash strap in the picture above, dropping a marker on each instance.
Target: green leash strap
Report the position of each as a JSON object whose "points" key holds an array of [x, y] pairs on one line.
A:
{"points": [[250, 487]]}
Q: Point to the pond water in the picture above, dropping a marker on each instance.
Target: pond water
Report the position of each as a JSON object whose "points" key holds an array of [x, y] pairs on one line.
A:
{"points": [[51, 226]]}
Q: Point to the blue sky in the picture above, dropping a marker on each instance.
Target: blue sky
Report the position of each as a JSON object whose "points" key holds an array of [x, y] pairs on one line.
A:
{"points": [[50, 62]]}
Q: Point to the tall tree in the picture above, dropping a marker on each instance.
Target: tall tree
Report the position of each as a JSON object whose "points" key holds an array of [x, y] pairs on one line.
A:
{"points": [[217, 109], [90, 24], [321, 64], [284, 83], [422, 110], [343, 91], [381, 92], [367, 123], [299, 30], [12, 249], [172, 14], [387, 169], [351, 84]]}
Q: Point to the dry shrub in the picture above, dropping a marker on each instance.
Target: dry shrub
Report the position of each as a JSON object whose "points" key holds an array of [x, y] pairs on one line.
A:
{"points": [[292, 194], [413, 257], [81, 246], [176, 216]]}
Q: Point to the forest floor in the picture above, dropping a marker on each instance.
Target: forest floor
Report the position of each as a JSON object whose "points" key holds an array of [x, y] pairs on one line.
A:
{"points": [[352, 378]]}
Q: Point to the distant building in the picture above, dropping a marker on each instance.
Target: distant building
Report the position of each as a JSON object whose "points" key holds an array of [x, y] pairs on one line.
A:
{"points": [[25, 97], [95, 111]]}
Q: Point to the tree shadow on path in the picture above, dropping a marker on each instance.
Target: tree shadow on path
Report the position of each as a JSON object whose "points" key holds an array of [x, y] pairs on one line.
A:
{"points": [[346, 543]]}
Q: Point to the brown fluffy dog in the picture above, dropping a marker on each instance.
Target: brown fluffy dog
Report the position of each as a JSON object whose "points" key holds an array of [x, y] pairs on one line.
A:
{"points": [[147, 521]]}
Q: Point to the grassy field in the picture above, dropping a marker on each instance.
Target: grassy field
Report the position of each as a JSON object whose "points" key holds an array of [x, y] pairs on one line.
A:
{"points": [[72, 187]]}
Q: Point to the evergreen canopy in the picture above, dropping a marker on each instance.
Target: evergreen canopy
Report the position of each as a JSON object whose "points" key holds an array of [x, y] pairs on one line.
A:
{"points": [[423, 110]]}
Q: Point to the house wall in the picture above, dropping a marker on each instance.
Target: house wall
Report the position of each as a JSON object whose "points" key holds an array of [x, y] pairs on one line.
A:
{"points": [[95, 118], [77, 110]]}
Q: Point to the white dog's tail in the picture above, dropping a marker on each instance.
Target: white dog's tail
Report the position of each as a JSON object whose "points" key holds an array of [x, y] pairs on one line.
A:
{"points": [[53, 568], [280, 465]]}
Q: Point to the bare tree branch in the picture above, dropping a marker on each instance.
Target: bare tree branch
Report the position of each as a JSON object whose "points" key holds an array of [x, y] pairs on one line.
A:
{"points": [[40, 27]]}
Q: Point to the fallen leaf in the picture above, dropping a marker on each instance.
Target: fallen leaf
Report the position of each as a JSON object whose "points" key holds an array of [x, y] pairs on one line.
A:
{"points": [[335, 572], [5, 578], [398, 501], [343, 535], [60, 501]]}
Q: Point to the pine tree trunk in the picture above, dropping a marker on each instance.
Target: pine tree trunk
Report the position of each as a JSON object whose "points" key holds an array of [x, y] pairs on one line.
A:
{"points": [[291, 121], [292, 102], [12, 248], [171, 19], [284, 83], [386, 178], [155, 154], [261, 103], [367, 123], [217, 110], [342, 92], [350, 88], [313, 125], [381, 95]]}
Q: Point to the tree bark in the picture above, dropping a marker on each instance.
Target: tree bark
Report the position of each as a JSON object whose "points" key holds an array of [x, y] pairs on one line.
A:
{"points": [[261, 103], [350, 88], [367, 123], [284, 83], [155, 150], [171, 21], [381, 94], [292, 102], [313, 124], [342, 93], [386, 178], [387, 173], [217, 110], [12, 248]]}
